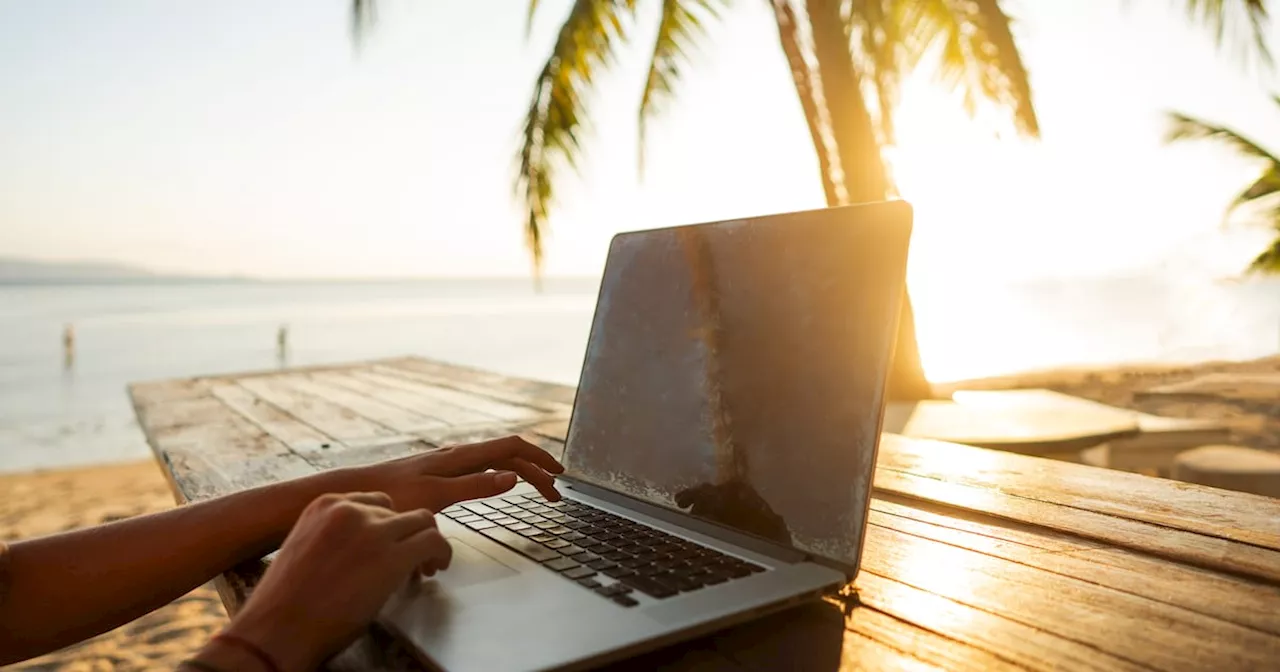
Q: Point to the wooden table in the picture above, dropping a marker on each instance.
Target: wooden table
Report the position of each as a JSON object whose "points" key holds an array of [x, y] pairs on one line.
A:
{"points": [[975, 559]]}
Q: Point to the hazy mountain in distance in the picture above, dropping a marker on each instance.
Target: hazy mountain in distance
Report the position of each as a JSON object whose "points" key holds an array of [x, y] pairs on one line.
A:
{"points": [[15, 270]]}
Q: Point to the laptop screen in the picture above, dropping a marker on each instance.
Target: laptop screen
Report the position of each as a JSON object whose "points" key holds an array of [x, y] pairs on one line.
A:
{"points": [[735, 371]]}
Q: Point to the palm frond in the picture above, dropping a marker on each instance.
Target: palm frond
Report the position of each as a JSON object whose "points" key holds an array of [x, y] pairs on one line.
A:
{"points": [[1183, 127], [681, 24], [528, 19], [877, 40], [1267, 185], [363, 15], [1006, 80], [973, 43], [1268, 262], [557, 115], [1241, 22]]}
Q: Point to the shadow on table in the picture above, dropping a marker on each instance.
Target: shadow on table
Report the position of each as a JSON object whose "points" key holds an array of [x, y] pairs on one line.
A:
{"points": [[809, 637]]}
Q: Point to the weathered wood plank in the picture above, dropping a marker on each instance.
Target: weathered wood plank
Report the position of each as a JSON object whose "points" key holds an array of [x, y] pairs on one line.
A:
{"points": [[532, 393], [948, 518], [287, 429], [1178, 545], [394, 417], [402, 394], [1224, 597], [1070, 608], [418, 396], [209, 449], [491, 409], [1028, 646], [1209, 511], [340, 424]]}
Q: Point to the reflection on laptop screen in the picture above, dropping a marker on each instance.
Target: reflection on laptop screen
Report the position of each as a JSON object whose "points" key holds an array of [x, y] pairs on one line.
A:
{"points": [[735, 371]]}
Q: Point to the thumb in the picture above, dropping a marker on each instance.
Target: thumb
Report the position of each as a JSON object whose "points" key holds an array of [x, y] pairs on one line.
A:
{"points": [[476, 486]]}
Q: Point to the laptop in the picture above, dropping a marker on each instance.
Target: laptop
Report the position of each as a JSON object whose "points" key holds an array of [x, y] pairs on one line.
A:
{"points": [[719, 456]]}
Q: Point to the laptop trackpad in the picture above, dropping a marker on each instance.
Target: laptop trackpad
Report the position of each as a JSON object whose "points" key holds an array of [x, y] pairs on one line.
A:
{"points": [[470, 566]]}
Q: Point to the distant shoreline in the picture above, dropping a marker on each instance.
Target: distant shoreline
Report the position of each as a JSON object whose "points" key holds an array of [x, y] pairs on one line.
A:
{"points": [[198, 280]]}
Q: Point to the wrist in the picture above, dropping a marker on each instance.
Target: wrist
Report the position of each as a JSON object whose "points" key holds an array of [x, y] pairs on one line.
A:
{"points": [[223, 656], [282, 640]]}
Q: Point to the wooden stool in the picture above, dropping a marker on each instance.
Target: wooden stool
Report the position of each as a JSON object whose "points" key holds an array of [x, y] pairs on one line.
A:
{"points": [[1231, 468]]}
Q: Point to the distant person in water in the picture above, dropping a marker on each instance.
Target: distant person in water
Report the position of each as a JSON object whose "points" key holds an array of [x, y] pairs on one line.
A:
{"points": [[282, 343], [68, 345], [348, 538]]}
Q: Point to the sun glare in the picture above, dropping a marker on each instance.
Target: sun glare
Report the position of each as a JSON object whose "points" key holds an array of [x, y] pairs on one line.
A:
{"points": [[973, 192]]}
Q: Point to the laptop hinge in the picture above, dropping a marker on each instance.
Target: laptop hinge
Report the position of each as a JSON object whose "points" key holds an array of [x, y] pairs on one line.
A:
{"points": [[749, 542]]}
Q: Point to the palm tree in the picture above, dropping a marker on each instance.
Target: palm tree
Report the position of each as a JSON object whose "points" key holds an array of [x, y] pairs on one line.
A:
{"points": [[846, 59], [1259, 195]]}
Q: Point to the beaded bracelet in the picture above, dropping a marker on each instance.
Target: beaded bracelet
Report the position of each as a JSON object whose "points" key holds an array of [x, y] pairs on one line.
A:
{"points": [[250, 648], [200, 665]]}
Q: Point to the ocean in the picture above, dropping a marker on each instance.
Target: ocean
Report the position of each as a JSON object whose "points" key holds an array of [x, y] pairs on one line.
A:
{"points": [[55, 413]]}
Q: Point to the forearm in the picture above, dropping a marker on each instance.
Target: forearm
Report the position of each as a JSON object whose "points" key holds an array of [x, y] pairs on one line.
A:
{"points": [[68, 587]]}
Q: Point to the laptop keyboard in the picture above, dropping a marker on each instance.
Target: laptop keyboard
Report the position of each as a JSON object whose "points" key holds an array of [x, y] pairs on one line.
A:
{"points": [[609, 554]]}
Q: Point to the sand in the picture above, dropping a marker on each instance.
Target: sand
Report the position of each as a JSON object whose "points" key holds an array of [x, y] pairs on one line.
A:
{"points": [[48, 502], [43, 503]]}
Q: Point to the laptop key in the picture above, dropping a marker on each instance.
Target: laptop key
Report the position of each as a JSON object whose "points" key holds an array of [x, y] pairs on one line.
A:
{"points": [[542, 537], [482, 525], [561, 564], [648, 586], [614, 589], [519, 527], [601, 565], [573, 536], [625, 600], [530, 532], [514, 499], [477, 507], [579, 572], [557, 530], [570, 549], [556, 544], [618, 572], [589, 583], [519, 544], [468, 518]]}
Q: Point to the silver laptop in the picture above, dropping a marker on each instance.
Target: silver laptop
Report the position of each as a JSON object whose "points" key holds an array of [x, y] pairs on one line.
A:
{"points": [[718, 461]]}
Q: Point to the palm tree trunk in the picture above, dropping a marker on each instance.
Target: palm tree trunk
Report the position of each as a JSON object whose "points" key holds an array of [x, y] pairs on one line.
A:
{"points": [[862, 171], [789, 36]]}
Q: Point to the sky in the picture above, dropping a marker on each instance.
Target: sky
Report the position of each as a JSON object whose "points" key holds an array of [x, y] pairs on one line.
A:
{"points": [[251, 138]]}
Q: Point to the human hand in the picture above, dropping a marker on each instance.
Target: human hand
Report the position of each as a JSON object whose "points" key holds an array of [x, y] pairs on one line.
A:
{"points": [[338, 566], [440, 478]]}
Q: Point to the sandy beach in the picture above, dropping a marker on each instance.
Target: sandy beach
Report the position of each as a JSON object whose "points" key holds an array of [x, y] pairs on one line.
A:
{"points": [[42, 503]]}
